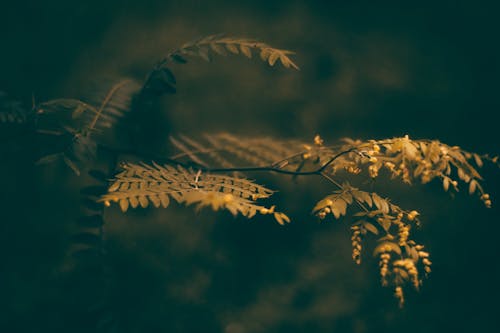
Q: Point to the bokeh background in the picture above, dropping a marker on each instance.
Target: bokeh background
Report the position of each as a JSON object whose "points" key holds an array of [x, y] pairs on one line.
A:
{"points": [[368, 70]]}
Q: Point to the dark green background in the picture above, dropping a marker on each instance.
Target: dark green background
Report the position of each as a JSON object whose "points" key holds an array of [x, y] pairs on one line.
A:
{"points": [[368, 70]]}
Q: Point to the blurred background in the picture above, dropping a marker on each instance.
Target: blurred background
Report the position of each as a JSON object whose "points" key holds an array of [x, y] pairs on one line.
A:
{"points": [[368, 70]]}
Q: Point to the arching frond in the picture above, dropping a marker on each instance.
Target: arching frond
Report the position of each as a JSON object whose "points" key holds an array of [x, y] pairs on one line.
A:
{"points": [[112, 105], [142, 185], [222, 45], [56, 114], [227, 150], [102, 111]]}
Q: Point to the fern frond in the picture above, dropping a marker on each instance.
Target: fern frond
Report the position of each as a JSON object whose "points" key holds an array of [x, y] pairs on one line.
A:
{"points": [[400, 257], [99, 114], [228, 151], [221, 45], [75, 105], [59, 117], [113, 106], [142, 185]]}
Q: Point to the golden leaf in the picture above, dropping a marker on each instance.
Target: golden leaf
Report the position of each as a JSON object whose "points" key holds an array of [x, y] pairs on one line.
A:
{"points": [[246, 51]]}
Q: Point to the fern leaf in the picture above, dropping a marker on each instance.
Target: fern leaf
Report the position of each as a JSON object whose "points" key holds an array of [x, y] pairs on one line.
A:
{"points": [[98, 115], [227, 151], [114, 105], [66, 105], [140, 185], [218, 44]]}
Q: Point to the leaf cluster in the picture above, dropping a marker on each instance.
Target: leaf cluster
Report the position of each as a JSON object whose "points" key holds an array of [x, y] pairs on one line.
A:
{"points": [[401, 259], [221, 45], [390, 225], [417, 161], [142, 185]]}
